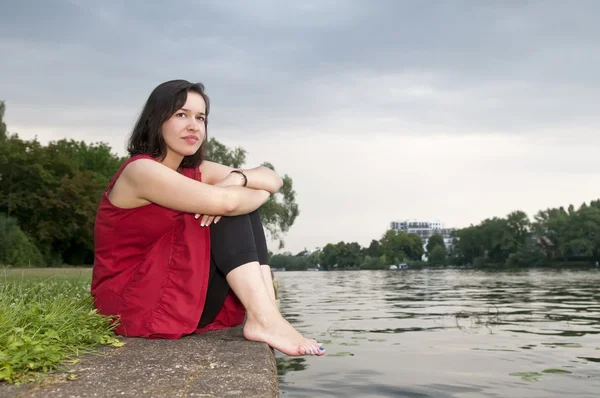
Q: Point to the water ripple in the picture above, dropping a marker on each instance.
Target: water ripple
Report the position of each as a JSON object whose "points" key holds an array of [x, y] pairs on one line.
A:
{"points": [[455, 333]]}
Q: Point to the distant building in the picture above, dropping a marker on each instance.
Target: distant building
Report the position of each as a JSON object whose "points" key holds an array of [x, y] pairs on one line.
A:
{"points": [[425, 229]]}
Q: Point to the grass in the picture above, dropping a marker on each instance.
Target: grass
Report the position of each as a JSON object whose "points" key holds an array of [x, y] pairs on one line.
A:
{"points": [[46, 321]]}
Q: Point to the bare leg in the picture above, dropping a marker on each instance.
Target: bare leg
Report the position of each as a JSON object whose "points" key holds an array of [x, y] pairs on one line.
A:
{"points": [[265, 270], [264, 322], [262, 251]]}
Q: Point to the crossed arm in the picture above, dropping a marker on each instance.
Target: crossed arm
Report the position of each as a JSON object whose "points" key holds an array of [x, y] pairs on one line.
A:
{"points": [[259, 178], [219, 194]]}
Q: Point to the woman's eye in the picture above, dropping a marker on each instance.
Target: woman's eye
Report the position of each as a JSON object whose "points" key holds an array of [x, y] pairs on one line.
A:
{"points": [[200, 118], [180, 114]]}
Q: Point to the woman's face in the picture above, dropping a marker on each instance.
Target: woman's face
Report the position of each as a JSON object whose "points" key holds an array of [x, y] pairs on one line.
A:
{"points": [[185, 130]]}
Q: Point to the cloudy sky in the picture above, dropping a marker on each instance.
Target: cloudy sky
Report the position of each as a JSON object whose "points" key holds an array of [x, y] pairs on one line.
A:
{"points": [[379, 110]]}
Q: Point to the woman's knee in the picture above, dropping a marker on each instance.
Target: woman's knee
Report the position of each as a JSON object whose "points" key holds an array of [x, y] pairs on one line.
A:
{"points": [[232, 243]]}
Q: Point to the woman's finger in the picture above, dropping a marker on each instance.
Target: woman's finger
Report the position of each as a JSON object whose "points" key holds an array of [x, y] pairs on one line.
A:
{"points": [[204, 220]]}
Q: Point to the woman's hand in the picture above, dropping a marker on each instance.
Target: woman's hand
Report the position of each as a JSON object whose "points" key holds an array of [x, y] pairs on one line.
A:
{"points": [[234, 179]]}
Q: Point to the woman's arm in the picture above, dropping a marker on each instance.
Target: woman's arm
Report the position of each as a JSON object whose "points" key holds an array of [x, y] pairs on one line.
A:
{"points": [[148, 180], [260, 177]]}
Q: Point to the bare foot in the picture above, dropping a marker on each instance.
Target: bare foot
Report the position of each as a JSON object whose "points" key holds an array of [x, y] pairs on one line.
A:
{"points": [[279, 334]]}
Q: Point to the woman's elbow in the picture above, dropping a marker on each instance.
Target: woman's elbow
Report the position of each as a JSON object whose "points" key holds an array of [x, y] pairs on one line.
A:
{"points": [[278, 184], [229, 203], [275, 182]]}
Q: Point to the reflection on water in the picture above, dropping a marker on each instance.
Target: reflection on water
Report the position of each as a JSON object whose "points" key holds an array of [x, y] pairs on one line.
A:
{"points": [[455, 333], [287, 364]]}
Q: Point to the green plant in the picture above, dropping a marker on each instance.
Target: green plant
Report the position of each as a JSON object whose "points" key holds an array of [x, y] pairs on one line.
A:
{"points": [[45, 323]]}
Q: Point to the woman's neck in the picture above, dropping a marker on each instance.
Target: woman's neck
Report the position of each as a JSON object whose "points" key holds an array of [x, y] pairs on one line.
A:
{"points": [[172, 161]]}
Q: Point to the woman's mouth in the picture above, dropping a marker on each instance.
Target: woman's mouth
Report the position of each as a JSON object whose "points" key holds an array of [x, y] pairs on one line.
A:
{"points": [[191, 139]]}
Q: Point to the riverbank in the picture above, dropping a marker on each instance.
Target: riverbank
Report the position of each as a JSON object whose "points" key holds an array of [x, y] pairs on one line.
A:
{"points": [[213, 364], [53, 343], [421, 265]]}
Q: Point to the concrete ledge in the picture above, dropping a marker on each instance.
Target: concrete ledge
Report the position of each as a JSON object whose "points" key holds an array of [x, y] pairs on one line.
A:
{"points": [[213, 364]]}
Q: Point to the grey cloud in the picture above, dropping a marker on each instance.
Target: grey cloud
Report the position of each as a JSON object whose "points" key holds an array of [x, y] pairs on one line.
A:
{"points": [[464, 66]]}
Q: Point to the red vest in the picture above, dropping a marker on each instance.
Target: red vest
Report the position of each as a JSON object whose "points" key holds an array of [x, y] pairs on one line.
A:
{"points": [[151, 268]]}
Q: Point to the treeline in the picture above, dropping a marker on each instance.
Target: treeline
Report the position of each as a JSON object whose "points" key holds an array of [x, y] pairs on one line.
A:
{"points": [[554, 237], [49, 196], [394, 247]]}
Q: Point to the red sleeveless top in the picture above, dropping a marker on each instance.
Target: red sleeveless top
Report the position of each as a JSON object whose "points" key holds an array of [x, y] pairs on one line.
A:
{"points": [[151, 269]]}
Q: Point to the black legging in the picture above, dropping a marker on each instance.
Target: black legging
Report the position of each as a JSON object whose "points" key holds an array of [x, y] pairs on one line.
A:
{"points": [[234, 241]]}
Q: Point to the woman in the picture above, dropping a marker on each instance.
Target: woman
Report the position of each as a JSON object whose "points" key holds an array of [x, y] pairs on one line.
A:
{"points": [[163, 270]]}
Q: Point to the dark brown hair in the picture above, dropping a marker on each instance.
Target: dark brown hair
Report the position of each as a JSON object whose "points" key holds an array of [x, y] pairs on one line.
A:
{"points": [[166, 99]]}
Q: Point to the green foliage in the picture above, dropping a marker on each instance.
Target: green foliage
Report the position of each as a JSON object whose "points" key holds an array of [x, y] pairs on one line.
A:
{"points": [[373, 263], [555, 235], [437, 255], [293, 263], [281, 210], [524, 258], [16, 248], [341, 255], [433, 241], [44, 324], [2, 124], [398, 246], [329, 256], [220, 153], [53, 192], [374, 249]]}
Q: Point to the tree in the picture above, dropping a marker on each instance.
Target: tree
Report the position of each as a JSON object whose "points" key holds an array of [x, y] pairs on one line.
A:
{"points": [[415, 249], [433, 241], [220, 153], [468, 245], [2, 124], [290, 263], [519, 231], [374, 249], [438, 255], [16, 248], [329, 256], [314, 258], [341, 255], [373, 263], [349, 255], [53, 192], [281, 210], [392, 245]]}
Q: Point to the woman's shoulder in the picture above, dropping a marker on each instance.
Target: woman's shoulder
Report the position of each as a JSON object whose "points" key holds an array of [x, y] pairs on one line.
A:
{"points": [[134, 158]]}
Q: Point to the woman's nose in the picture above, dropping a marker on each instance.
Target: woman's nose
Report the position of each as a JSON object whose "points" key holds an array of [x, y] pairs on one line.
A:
{"points": [[194, 124]]}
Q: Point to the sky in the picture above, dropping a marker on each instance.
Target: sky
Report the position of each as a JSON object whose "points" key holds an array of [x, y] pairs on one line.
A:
{"points": [[378, 110]]}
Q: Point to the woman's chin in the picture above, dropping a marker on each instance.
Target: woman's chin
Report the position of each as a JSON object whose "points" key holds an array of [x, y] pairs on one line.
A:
{"points": [[188, 151]]}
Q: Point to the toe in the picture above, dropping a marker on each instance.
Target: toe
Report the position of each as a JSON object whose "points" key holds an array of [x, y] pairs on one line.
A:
{"points": [[314, 344], [310, 349], [305, 349]]}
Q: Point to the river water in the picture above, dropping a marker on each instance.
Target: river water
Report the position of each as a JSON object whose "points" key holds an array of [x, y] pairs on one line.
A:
{"points": [[444, 333]]}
